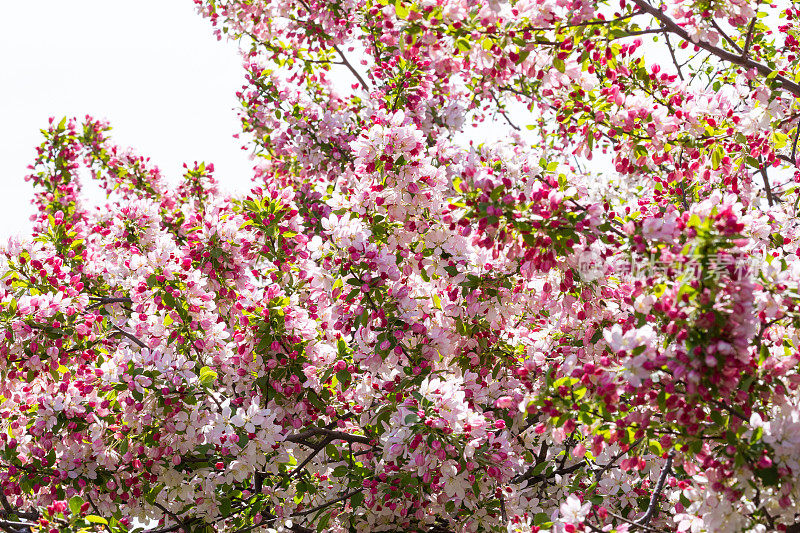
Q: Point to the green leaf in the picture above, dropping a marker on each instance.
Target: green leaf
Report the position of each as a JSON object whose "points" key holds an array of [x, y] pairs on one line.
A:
{"points": [[75, 504], [207, 376], [332, 451], [401, 10], [225, 506], [769, 476], [411, 418], [323, 522], [716, 158], [357, 500], [343, 376], [538, 469], [655, 447], [424, 275], [93, 518]]}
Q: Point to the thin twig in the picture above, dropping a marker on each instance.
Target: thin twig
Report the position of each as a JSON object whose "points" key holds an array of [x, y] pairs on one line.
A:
{"points": [[631, 522], [794, 144], [599, 473], [313, 453], [128, 336], [674, 58], [725, 36], [503, 112], [103, 300], [329, 503], [351, 68], [97, 511]]}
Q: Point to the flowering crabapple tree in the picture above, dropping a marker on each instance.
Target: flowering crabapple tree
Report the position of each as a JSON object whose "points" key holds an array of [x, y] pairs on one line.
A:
{"points": [[532, 266]]}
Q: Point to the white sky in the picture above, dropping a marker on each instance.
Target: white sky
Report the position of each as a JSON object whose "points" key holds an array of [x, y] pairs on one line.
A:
{"points": [[151, 67]]}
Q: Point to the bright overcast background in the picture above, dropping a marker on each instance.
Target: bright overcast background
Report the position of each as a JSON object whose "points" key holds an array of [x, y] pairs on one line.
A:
{"points": [[153, 68]]}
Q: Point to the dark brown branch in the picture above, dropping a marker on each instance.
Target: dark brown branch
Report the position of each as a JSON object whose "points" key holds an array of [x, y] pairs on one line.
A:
{"points": [[11, 523], [653, 505], [8, 510], [503, 112], [725, 36], [334, 435], [631, 522], [647, 31], [745, 62], [599, 473], [674, 58], [329, 503], [351, 69], [103, 300], [770, 198], [180, 523], [130, 337], [313, 453], [97, 511], [748, 40]]}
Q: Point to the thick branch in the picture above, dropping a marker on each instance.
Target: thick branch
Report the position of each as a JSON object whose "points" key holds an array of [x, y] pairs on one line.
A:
{"points": [[740, 60], [770, 198], [653, 505], [103, 300], [11, 523], [303, 436]]}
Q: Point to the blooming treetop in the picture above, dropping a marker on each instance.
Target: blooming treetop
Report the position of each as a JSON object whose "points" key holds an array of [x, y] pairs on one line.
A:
{"points": [[401, 329]]}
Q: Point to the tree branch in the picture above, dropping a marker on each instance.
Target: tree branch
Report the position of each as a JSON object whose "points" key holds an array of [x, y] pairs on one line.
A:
{"points": [[329, 503], [130, 337], [97, 511], [11, 523], [748, 40], [313, 453], [103, 300], [770, 197], [745, 62], [334, 435], [725, 36], [350, 67], [653, 505], [178, 521]]}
